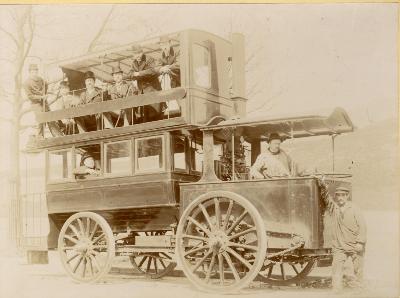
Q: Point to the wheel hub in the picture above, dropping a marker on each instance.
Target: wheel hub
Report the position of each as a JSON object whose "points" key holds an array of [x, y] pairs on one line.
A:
{"points": [[83, 246], [219, 241]]}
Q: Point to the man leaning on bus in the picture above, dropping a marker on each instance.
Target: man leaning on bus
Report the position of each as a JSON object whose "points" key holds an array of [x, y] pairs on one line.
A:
{"points": [[274, 162]]}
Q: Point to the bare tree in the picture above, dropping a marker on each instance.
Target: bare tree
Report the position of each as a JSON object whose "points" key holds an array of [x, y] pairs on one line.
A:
{"points": [[21, 38], [96, 41]]}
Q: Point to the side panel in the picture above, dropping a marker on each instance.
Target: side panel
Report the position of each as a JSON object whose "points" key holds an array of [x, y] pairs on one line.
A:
{"points": [[287, 206]]}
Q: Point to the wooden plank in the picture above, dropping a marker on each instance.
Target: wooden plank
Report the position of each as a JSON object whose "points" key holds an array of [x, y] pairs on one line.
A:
{"points": [[110, 105]]}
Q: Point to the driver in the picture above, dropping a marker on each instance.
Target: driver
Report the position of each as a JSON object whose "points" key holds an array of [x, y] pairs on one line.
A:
{"points": [[274, 162]]}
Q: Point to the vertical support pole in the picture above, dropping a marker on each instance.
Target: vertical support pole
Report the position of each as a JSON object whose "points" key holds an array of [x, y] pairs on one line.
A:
{"points": [[333, 151], [208, 159], [233, 154]]}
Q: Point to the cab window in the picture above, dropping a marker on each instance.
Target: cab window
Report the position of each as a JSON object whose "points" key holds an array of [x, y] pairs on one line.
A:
{"points": [[59, 165], [88, 161], [202, 66], [196, 155], [149, 154], [179, 144], [117, 157]]}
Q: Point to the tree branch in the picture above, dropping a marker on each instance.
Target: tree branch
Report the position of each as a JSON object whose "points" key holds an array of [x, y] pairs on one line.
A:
{"points": [[12, 37], [101, 30]]}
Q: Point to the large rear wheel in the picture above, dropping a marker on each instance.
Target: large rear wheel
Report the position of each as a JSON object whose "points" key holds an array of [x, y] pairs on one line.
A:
{"points": [[86, 246], [221, 242]]}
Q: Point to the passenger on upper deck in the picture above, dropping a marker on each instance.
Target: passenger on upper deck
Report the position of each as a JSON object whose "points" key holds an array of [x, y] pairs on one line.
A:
{"points": [[169, 73], [92, 94], [144, 73], [274, 162], [87, 166], [121, 89]]}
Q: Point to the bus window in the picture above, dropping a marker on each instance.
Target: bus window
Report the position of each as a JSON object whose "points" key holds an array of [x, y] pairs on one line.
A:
{"points": [[202, 66], [196, 156], [59, 165], [179, 153], [149, 154], [117, 157], [88, 161]]}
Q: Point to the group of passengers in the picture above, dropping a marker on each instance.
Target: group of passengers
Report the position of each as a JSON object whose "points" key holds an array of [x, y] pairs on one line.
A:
{"points": [[146, 75]]}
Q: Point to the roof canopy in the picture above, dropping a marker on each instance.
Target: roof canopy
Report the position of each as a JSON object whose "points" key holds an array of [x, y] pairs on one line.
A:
{"points": [[336, 122]]}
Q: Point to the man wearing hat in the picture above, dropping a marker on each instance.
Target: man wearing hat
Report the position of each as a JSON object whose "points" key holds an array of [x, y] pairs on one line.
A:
{"points": [[169, 72], [144, 73], [121, 89], [348, 238], [91, 94], [35, 88], [272, 163]]}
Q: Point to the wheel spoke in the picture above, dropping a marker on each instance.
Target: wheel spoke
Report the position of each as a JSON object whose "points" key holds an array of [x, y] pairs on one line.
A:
{"points": [[77, 264], [270, 270], [167, 256], [94, 261], [195, 222], [149, 264], [155, 265], [221, 269], [228, 214], [68, 248], [231, 266], [93, 231], [72, 258], [194, 237], [98, 238], [73, 228], [252, 229], [100, 246], [196, 249], [84, 267], [283, 272], [206, 216], [162, 263], [87, 231], [201, 260], [71, 239], [142, 261], [238, 220], [294, 268], [210, 267], [81, 227], [217, 213], [239, 257], [90, 265], [249, 247]]}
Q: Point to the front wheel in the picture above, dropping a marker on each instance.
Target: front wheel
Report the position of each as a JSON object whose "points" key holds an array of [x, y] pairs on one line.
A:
{"points": [[86, 246], [221, 242]]}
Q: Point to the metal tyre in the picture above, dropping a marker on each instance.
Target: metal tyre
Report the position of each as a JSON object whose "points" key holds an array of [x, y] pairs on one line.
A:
{"points": [[153, 264], [221, 242], [86, 246]]}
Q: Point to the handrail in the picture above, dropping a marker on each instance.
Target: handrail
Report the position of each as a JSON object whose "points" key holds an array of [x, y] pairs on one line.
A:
{"points": [[110, 105]]}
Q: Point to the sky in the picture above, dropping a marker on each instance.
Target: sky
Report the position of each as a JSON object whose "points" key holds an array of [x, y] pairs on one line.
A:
{"points": [[304, 56]]}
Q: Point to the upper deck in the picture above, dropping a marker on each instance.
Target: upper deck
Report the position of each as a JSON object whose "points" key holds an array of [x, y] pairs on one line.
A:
{"points": [[207, 82]]}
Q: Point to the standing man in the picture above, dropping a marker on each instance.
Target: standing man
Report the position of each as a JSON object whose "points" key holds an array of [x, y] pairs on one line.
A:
{"points": [[169, 73], [274, 162], [35, 88], [91, 94], [143, 72], [121, 89], [349, 237]]}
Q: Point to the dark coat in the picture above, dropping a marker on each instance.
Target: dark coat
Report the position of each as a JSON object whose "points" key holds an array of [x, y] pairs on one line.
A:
{"points": [[147, 79], [91, 98], [173, 61], [35, 89], [124, 91]]}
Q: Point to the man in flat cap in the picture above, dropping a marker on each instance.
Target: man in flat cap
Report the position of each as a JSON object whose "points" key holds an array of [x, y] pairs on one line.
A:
{"points": [[35, 89], [274, 162], [348, 238], [119, 90], [145, 75], [92, 94], [169, 73]]}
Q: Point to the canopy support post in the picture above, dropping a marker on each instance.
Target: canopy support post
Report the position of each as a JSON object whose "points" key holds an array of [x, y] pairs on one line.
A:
{"points": [[233, 154], [208, 158], [333, 136]]}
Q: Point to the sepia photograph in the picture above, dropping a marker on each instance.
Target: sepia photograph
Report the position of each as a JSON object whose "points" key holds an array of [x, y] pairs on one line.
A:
{"points": [[199, 150]]}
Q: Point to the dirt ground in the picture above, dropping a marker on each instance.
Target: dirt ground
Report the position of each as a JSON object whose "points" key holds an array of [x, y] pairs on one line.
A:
{"points": [[19, 280]]}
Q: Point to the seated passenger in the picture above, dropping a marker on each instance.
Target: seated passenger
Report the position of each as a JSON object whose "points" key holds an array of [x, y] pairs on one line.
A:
{"points": [[273, 163], [145, 76], [88, 166], [121, 89], [169, 73], [92, 94]]}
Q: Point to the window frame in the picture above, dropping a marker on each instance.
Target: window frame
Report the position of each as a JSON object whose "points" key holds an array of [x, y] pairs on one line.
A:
{"points": [[210, 71], [70, 165], [135, 160], [186, 152], [104, 159]]}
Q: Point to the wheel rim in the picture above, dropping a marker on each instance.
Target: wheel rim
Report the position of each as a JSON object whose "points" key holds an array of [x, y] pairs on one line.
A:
{"points": [[221, 242], [286, 273], [86, 246], [153, 264]]}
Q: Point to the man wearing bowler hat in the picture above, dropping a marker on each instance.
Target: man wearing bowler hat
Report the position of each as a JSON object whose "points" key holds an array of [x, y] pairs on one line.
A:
{"points": [[348, 238], [119, 90], [274, 162], [92, 94]]}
